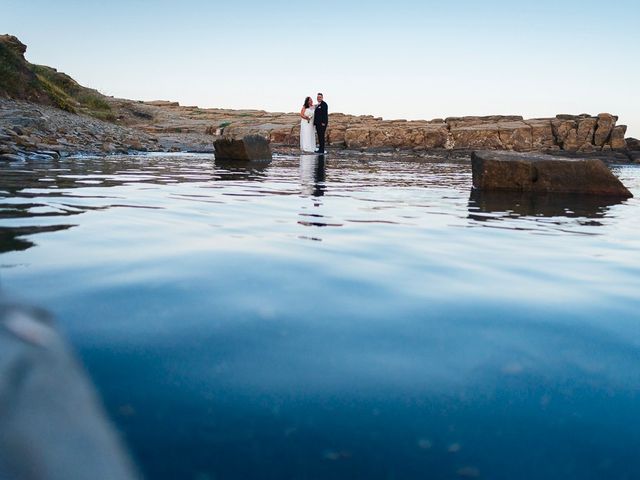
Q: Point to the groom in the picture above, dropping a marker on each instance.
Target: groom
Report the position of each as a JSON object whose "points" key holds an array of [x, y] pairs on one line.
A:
{"points": [[321, 120]]}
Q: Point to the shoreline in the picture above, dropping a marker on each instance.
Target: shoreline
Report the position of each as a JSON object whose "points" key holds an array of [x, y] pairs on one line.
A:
{"points": [[47, 114], [38, 132]]}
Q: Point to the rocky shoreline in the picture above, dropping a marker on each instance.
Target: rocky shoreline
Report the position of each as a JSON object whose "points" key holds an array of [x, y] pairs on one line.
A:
{"points": [[46, 114], [31, 131]]}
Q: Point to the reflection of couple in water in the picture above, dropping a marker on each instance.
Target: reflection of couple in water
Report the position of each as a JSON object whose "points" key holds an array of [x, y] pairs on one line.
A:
{"points": [[312, 175], [314, 119]]}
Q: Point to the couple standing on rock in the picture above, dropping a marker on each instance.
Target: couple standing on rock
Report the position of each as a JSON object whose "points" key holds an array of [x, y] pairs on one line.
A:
{"points": [[315, 118]]}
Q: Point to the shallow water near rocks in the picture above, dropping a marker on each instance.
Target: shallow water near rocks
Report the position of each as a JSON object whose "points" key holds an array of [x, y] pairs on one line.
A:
{"points": [[349, 318]]}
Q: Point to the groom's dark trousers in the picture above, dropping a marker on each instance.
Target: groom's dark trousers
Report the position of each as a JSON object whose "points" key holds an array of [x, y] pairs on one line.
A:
{"points": [[321, 120], [321, 133]]}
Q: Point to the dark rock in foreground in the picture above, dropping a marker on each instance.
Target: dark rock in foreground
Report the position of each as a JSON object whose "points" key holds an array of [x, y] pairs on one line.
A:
{"points": [[249, 148], [540, 173], [51, 422], [10, 157]]}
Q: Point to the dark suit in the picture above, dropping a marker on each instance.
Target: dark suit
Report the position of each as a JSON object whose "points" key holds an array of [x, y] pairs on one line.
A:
{"points": [[321, 120]]}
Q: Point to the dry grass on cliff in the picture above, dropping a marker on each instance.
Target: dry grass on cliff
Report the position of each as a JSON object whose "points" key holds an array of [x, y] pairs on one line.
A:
{"points": [[22, 80], [16, 79]]}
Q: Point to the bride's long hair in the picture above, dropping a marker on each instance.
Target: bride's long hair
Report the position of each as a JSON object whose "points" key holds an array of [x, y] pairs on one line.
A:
{"points": [[306, 102]]}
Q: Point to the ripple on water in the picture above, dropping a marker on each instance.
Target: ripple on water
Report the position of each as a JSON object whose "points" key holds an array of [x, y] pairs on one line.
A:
{"points": [[353, 318]]}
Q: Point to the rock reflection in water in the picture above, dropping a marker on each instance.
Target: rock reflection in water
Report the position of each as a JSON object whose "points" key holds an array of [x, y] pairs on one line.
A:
{"points": [[521, 204], [41, 192], [11, 238], [241, 170]]}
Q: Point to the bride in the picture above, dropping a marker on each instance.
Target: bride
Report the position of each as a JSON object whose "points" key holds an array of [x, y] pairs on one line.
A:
{"points": [[307, 130]]}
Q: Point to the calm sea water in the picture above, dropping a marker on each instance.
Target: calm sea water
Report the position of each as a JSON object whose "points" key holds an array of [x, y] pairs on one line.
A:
{"points": [[352, 318]]}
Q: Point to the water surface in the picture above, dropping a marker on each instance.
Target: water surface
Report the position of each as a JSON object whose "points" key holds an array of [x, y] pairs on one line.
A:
{"points": [[349, 318]]}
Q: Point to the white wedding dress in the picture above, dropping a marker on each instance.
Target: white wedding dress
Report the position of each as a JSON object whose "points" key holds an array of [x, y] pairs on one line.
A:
{"points": [[308, 132]]}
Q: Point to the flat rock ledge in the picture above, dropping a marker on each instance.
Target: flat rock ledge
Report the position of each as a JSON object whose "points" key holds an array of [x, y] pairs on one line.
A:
{"points": [[248, 148], [541, 173]]}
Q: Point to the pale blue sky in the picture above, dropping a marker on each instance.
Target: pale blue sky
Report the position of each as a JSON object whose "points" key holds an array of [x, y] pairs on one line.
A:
{"points": [[401, 59]]}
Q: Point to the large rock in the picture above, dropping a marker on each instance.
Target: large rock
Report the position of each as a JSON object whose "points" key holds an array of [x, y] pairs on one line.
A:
{"points": [[436, 135], [473, 120], [618, 141], [565, 132], [584, 134], [385, 136], [357, 138], [336, 136], [540, 173], [52, 426], [542, 134], [249, 148], [515, 136], [633, 144], [14, 44], [485, 136], [280, 134], [606, 122], [634, 156]]}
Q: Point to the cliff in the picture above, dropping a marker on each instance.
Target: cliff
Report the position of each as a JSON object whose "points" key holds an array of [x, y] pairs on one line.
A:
{"points": [[43, 85]]}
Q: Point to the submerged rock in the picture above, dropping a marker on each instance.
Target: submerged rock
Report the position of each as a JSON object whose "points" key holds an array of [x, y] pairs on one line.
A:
{"points": [[540, 173], [249, 148]]}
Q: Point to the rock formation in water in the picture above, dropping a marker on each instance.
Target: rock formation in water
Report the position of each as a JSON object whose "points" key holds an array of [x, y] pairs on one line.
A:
{"points": [[540, 173], [249, 148], [53, 113]]}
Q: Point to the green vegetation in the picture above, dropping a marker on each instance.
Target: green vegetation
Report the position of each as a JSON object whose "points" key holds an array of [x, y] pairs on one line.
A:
{"points": [[96, 106], [224, 124], [22, 80], [56, 93], [15, 78], [68, 95], [9, 78], [63, 82]]}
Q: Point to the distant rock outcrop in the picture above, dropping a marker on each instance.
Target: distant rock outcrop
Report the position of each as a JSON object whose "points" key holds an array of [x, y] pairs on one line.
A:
{"points": [[569, 133]]}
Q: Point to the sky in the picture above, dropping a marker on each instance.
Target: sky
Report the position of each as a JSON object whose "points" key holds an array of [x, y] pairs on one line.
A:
{"points": [[395, 59]]}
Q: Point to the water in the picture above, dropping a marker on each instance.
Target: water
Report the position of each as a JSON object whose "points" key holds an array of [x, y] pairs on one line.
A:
{"points": [[357, 318]]}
